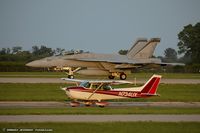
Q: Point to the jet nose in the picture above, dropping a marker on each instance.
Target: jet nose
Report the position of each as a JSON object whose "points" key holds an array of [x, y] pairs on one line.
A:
{"points": [[33, 64]]}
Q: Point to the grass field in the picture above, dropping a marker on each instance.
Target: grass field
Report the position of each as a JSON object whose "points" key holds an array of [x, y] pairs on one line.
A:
{"points": [[97, 110], [52, 92], [114, 127], [130, 76]]}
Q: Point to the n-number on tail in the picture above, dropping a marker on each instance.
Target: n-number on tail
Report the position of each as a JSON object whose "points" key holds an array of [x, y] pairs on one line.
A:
{"points": [[151, 86]]}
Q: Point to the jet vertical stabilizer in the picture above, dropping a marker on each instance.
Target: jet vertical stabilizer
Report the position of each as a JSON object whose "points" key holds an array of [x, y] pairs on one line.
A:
{"points": [[139, 44], [148, 49]]}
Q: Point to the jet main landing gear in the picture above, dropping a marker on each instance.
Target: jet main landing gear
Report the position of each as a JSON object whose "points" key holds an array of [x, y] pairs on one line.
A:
{"points": [[122, 75]]}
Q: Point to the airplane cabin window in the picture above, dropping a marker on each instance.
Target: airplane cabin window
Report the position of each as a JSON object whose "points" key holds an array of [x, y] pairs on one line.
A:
{"points": [[85, 84]]}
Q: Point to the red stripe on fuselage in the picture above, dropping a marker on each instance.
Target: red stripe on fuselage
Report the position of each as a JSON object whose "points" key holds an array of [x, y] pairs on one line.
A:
{"points": [[128, 94]]}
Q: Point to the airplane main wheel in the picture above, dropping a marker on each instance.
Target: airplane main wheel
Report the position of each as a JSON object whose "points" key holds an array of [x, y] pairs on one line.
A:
{"points": [[101, 104], [87, 104], [123, 76], [111, 77], [70, 76]]}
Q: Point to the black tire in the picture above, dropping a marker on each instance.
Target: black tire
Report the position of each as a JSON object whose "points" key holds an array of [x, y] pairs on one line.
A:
{"points": [[111, 77], [70, 76], [123, 76]]}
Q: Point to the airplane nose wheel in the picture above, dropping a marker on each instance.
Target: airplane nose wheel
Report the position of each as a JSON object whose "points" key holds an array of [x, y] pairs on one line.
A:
{"points": [[74, 104], [123, 76], [70, 76]]}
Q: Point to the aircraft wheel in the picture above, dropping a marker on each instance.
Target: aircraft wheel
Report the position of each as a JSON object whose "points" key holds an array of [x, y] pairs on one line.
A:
{"points": [[123, 76], [87, 104], [111, 77], [70, 76], [101, 104], [74, 104]]}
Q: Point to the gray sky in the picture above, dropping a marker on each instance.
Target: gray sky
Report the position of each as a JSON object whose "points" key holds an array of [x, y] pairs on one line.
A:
{"points": [[101, 26]]}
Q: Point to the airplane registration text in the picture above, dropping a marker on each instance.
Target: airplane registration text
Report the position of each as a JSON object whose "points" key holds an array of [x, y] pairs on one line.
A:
{"points": [[127, 94]]}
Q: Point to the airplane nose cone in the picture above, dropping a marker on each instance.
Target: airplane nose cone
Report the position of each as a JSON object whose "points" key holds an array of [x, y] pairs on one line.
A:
{"points": [[33, 64], [30, 64]]}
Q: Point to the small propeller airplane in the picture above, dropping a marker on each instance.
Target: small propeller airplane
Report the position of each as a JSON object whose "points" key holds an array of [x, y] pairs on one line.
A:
{"points": [[97, 92]]}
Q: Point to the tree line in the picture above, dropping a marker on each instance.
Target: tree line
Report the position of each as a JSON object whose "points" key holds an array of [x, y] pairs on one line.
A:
{"points": [[19, 55]]}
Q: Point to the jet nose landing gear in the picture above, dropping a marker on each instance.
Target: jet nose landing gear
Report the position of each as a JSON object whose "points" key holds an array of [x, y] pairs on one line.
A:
{"points": [[70, 76]]}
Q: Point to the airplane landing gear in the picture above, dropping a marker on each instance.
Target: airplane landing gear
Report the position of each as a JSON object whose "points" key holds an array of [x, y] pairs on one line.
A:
{"points": [[88, 103], [70, 76], [74, 104], [101, 104], [71, 72], [123, 76]]}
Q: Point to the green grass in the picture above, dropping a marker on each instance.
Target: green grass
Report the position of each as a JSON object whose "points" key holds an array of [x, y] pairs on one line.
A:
{"points": [[110, 127], [33, 74], [130, 76], [97, 110], [31, 92], [52, 92]]}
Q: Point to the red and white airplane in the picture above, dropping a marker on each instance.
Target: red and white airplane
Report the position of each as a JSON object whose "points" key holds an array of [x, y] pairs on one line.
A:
{"points": [[96, 92]]}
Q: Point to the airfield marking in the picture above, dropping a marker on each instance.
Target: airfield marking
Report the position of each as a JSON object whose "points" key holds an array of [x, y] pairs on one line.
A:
{"points": [[58, 80], [99, 118], [52, 104]]}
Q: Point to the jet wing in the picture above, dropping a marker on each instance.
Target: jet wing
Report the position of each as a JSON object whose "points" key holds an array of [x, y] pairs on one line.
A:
{"points": [[137, 65], [172, 64]]}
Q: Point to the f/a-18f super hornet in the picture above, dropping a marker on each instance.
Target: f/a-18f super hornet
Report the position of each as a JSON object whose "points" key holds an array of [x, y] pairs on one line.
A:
{"points": [[113, 65]]}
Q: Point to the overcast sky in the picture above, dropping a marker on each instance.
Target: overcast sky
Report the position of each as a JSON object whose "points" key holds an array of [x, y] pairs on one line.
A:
{"points": [[101, 26]]}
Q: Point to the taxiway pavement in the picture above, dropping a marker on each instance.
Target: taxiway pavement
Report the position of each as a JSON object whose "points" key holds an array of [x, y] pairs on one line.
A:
{"points": [[99, 118], [58, 80], [52, 104]]}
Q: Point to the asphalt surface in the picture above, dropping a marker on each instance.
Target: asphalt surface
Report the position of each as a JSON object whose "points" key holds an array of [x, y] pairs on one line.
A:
{"points": [[52, 104], [57, 80], [99, 118]]}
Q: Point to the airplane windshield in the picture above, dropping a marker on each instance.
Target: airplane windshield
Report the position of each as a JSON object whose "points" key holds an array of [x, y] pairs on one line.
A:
{"points": [[100, 86], [85, 84]]}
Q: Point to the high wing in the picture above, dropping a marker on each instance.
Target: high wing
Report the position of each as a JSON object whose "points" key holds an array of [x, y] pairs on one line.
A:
{"points": [[99, 81]]}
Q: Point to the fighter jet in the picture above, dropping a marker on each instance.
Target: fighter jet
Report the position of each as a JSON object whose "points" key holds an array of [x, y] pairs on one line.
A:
{"points": [[113, 65]]}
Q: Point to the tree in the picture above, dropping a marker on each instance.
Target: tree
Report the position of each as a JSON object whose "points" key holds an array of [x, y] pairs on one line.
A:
{"points": [[170, 55], [16, 49], [35, 50], [41, 52], [189, 43], [59, 51], [123, 52], [8, 51], [3, 51]]}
